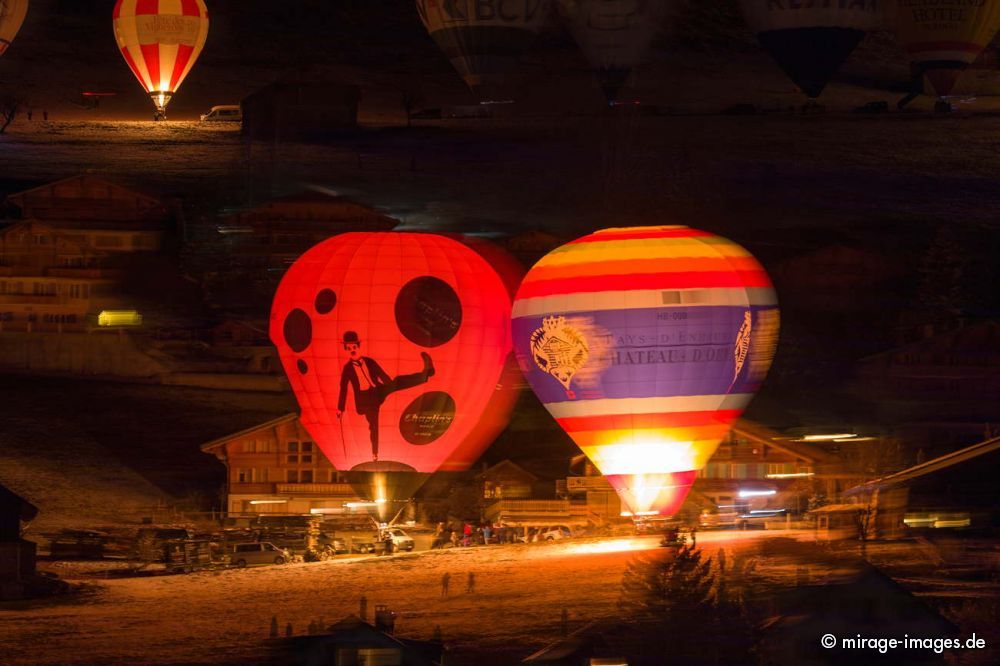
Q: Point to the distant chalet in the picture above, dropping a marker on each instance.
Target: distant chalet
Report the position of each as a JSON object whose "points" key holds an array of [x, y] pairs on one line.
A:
{"points": [[63, 253]]}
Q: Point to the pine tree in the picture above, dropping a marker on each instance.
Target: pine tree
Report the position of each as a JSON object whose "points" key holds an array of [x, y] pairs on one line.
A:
{"points": [[689, 609]]}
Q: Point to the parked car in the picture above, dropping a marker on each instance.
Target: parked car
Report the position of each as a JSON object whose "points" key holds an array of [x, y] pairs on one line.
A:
{"points": [[400, 539], [250, 554], [376, 544], [336, 544], [554, 533], [226, 113]]}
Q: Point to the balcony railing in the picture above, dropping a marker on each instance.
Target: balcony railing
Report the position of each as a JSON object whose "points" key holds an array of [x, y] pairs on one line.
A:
{"points": [[337, 489], [32, 299], [578, 483], [529, 509]]}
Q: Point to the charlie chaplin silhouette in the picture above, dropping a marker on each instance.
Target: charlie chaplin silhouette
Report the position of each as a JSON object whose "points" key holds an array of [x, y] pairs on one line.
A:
{"points": [[372, 385]]}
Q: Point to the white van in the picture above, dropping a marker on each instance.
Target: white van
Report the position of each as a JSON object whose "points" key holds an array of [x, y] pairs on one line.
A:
{"points": [[229, 113], [249, 554]]}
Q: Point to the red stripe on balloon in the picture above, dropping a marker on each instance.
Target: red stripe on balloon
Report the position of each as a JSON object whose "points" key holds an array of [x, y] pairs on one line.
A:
{"points": [[665, 493], [135, 68], [151, 55], [190, 8], [118, 9], [647, 234], [649, 421], [686, 280], [143, 7], [183, 56]]}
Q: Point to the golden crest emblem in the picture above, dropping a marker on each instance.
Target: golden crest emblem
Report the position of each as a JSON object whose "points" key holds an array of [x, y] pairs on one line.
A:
{"points": [[560, 350], [742, 346]]}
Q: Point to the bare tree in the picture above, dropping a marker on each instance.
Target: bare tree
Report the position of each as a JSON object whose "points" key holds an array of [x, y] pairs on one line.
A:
{"points": [[10, 105]]}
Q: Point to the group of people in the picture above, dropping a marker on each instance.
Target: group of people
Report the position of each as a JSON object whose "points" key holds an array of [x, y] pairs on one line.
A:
{"points": [[480, 535]]}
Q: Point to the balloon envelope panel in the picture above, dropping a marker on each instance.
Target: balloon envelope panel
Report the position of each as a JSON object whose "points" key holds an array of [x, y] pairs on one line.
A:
{"points": [[811, 40], [12, 13], [614, 35], [483, 38], [646, 344], [161, 40], [405, 335]]}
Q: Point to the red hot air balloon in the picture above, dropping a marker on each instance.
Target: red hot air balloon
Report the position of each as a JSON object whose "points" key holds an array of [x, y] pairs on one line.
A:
{"points": [[394, 344], [161, 40], [12, 13], [646, 344]]}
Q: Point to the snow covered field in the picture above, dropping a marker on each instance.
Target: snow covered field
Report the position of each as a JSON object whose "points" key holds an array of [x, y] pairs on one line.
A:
{"points": [[224, 616]]}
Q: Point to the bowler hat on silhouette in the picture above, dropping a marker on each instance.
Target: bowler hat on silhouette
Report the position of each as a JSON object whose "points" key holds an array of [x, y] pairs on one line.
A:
{"points": [[351, 337]]}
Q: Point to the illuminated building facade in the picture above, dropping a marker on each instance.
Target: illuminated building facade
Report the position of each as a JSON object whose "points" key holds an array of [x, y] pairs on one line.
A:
{"points": [[277, 467]]}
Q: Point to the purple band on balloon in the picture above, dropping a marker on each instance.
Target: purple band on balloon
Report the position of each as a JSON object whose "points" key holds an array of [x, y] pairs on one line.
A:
{"points": [[642, 353]]}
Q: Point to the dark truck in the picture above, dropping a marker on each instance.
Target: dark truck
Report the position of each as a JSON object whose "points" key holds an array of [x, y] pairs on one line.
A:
{"points": [[303, 535]]}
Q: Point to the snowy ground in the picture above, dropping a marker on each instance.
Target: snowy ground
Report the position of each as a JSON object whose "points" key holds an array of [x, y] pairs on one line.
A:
{"points": [[223, 616]]}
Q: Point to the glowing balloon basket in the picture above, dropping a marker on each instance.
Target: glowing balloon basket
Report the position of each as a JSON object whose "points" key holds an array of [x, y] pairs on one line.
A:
{"points": [[646, 344], [394, 344], [161, 40]]}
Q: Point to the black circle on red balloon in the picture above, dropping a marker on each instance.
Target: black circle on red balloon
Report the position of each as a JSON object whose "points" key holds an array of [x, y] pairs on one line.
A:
{"points": [[427, 418], [302, 366], [428, 311], [326, 300], [298, 330]]}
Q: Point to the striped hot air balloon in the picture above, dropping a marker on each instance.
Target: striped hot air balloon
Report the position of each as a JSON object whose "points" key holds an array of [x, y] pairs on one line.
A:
{"points": [[944, 38], [615, 35], [161, 40], [811, 40], [646, 344], [12, 13], [483, 38]]}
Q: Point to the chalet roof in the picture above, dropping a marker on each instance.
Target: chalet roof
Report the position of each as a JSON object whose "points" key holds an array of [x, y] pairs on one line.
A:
{"points": [[589, 640], [352, 631], [868, 599], [507, 464], [221, 441], [764, 435], [929, 467], [837, 508], [11, 501], [83, 187]]}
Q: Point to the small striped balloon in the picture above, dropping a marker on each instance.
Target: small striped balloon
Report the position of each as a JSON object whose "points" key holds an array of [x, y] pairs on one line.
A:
{"points": [[646, 344], [161, 40]]}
